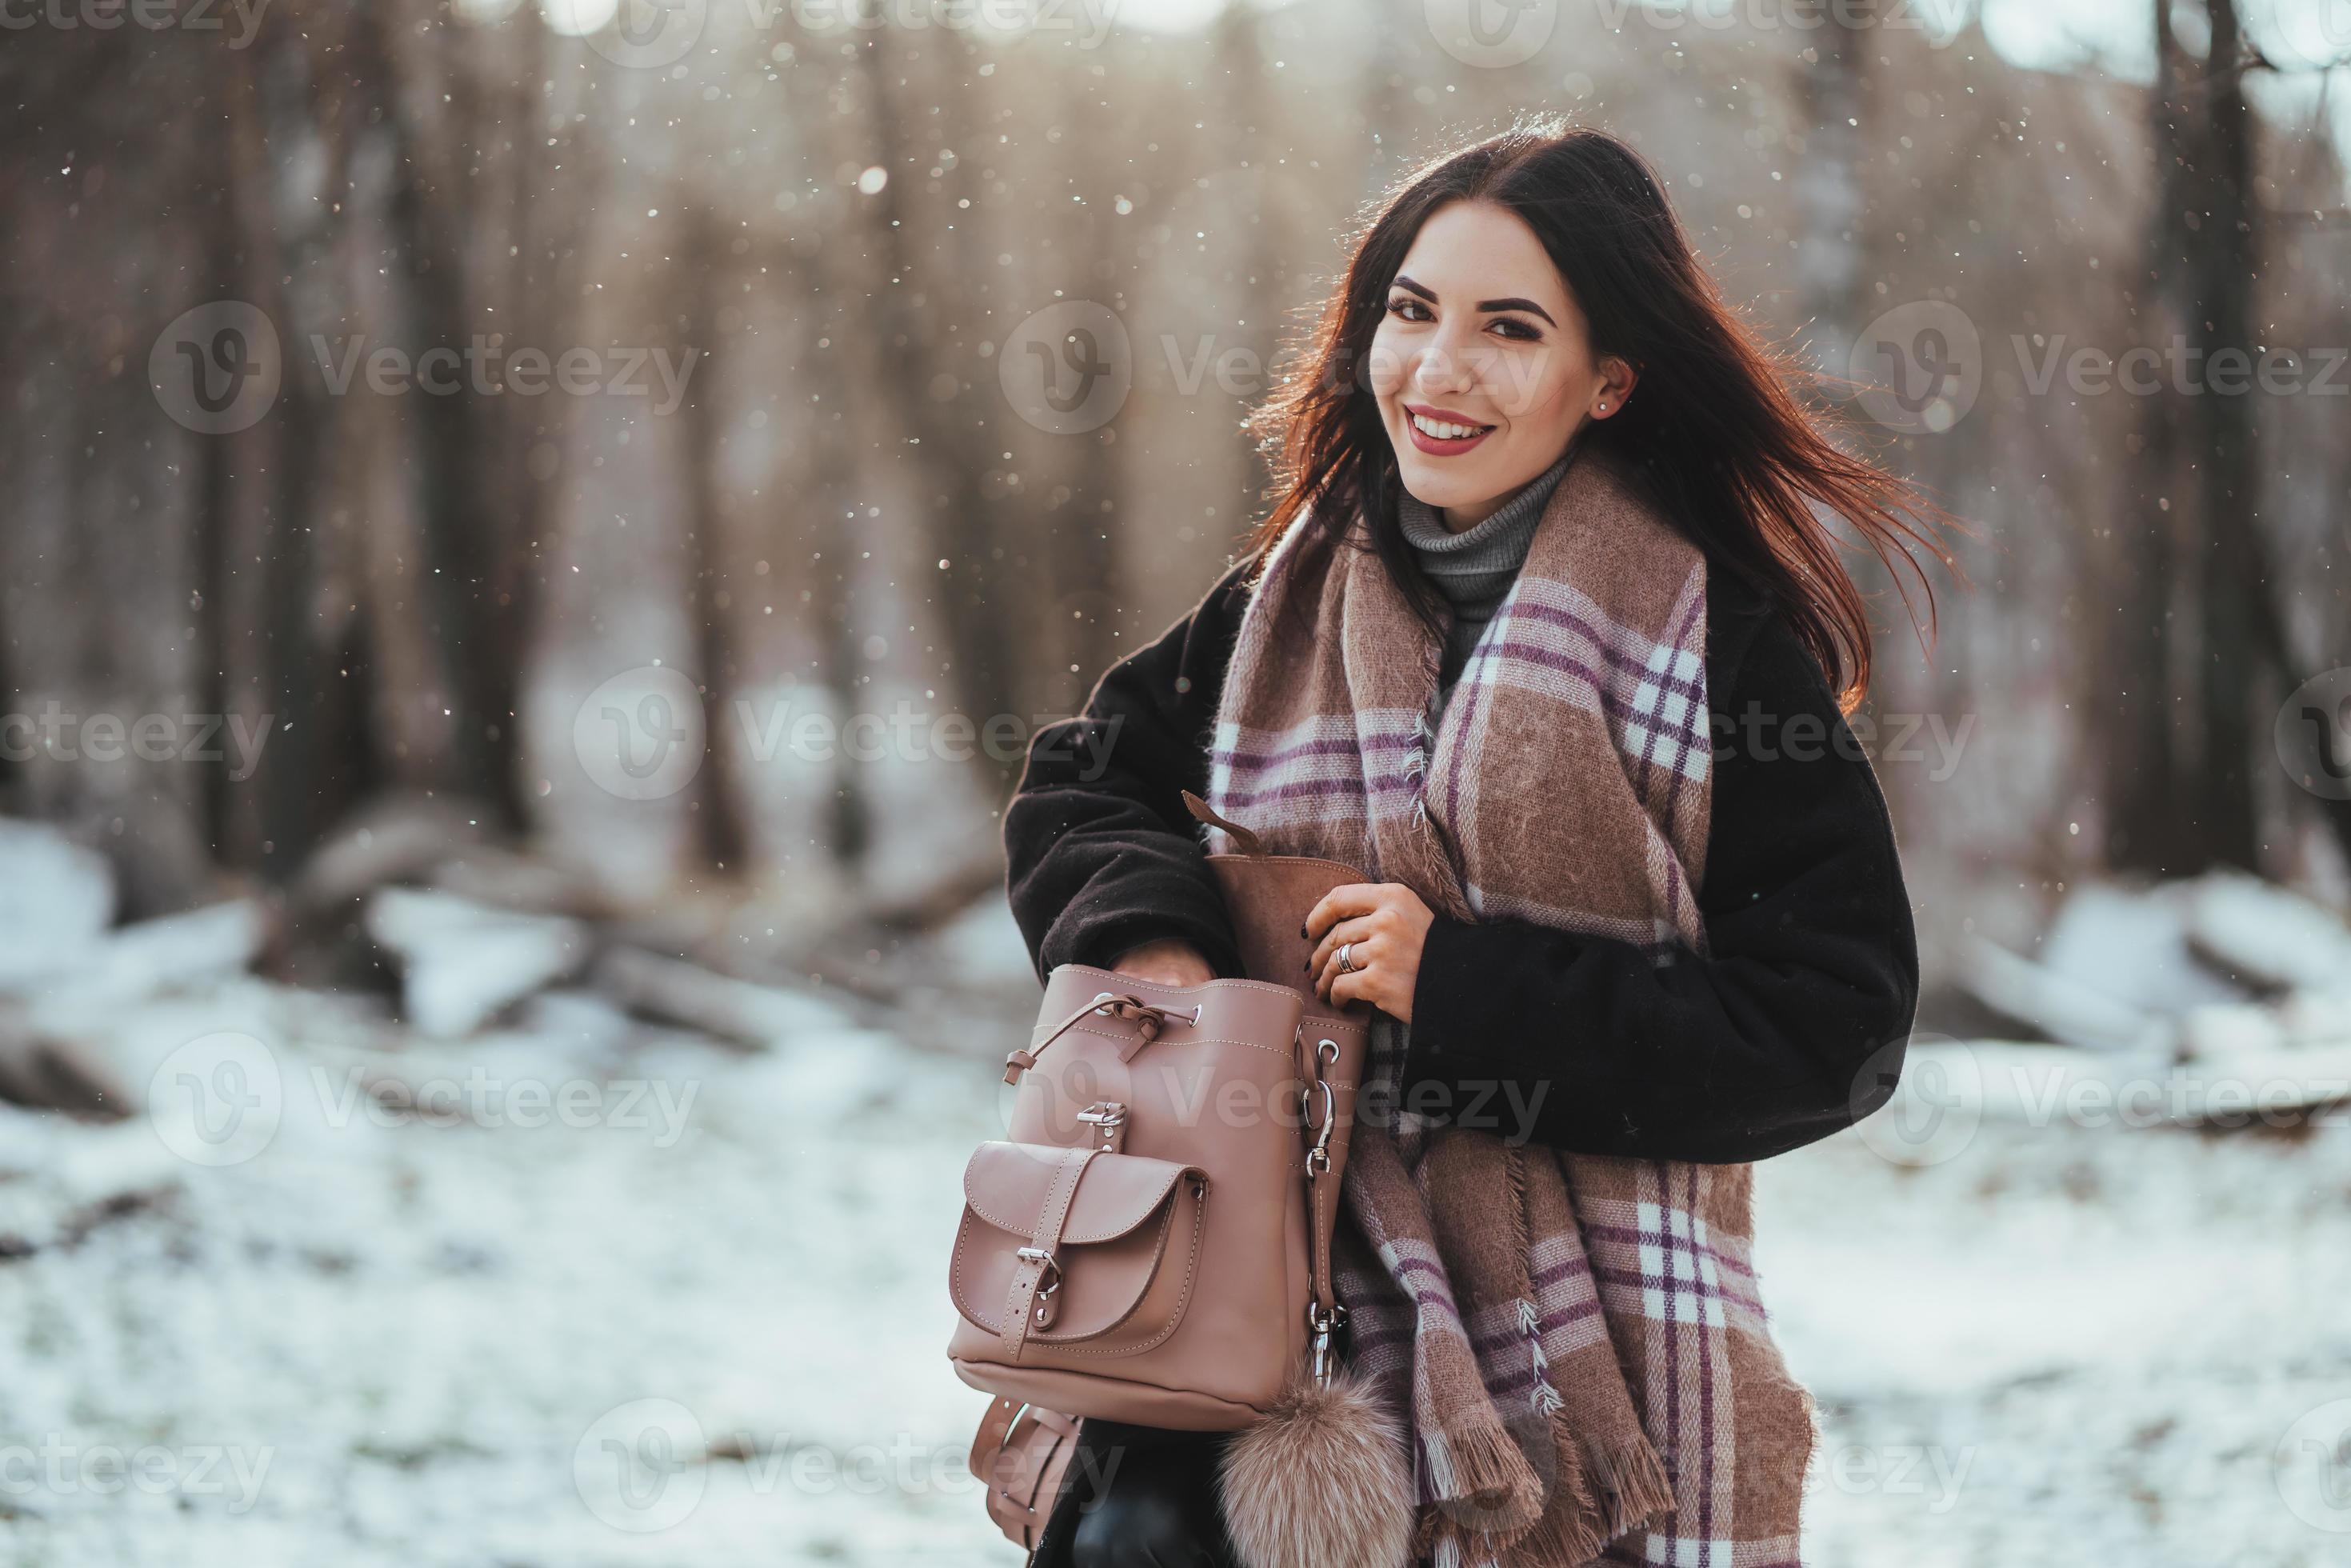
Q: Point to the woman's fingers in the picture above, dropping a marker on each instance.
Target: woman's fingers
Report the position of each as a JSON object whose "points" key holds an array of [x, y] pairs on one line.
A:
{"points": [[1347, 899], [1359, 929], [1370, 980], [1364, 954], [1386, 923]]}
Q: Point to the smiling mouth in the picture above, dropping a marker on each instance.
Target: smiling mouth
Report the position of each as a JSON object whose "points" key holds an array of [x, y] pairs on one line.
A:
{"points": [[1443, 436]]}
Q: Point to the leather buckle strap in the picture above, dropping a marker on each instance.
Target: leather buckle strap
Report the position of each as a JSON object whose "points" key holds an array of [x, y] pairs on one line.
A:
{"points": [[1022, 1454], [1029, 1304], [993, 1428], [1108, 1119], [996, 1430]]}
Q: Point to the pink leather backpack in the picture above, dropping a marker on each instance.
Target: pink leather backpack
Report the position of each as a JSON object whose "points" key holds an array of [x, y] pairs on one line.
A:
{"points": [[1150, 1242]]}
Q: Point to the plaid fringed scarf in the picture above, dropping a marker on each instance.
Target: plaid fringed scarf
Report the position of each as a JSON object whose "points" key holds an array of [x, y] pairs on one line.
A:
{"points": [[1576, 1340]]}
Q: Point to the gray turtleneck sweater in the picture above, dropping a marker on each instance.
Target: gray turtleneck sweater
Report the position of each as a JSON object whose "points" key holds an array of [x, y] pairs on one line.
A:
{"points": [[1475, 568]]}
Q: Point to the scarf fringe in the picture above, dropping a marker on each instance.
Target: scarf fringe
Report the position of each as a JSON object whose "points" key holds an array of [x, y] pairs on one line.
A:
{"points": [[1570, 1529], [1634, 1484], [1488, 1475], [1599, 1495]]}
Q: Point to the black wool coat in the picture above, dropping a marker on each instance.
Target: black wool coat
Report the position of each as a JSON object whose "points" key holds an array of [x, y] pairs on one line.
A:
{"points": [[1793, 1027]]}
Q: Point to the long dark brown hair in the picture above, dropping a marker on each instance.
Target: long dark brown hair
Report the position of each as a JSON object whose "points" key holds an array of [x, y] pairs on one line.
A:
{"points": [[1715, 427]]}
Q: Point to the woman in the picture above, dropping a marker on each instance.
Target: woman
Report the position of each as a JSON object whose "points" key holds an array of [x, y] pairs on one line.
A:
{"points": [[1546, 507]]}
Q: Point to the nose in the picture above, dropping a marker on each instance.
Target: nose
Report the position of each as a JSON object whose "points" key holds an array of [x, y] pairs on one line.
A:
{"points": [[1445, 365]]}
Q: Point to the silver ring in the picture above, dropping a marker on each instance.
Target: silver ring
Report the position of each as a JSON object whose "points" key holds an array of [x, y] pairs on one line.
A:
{"points": [[1346, 964]]}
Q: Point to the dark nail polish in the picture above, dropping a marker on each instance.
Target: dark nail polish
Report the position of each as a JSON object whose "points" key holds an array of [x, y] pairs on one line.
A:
{"points": [[1302, 931]]}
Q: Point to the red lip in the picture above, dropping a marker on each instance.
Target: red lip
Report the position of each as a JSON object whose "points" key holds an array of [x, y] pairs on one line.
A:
{"points": [[1424, 441], [1444, 415]]}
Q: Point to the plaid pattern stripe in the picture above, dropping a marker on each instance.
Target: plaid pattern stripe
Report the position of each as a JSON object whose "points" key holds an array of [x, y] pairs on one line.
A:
{"points": [[1555, 640], [1577, 1344]]}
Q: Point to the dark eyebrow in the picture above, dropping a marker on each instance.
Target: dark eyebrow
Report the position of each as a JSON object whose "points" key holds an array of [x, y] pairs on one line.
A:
{"points": [[1516, 303], [1513, 303]]}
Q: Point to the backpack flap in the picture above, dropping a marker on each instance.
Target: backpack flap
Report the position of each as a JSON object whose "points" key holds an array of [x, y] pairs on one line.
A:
{"points": [[1076, 1246]]}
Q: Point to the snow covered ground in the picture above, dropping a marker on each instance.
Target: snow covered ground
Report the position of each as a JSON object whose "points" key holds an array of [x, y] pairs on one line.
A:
{"points": [[619, 1295], [2071, 1342], [446, 1335]]}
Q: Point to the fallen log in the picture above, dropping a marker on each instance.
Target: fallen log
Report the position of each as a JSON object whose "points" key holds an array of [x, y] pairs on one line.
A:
{"points": [[463, 963], [44, 1071], [2063, 1009], [2269, 934], [674, 991]]}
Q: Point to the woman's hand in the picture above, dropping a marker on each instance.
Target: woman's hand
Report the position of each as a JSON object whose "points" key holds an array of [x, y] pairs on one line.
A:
{"points": [[1385, 923], [1169, 961]]}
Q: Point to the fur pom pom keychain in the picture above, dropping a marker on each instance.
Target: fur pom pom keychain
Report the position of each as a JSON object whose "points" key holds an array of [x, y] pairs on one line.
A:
{"points": [[1321, 1480]]}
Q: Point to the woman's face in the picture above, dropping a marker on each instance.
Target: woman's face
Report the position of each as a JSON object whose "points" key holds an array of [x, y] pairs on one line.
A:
{"points": [[1482, 364]]}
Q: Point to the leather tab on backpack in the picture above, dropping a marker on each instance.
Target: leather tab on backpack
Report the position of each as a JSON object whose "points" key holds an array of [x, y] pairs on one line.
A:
{"points": [[1248, 841], [1029, 1303], [1022, 1454]]}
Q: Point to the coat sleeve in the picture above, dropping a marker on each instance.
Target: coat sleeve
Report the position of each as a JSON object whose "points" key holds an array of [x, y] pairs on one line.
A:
{"points": [[1793, 1025], [1099, 854]]}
